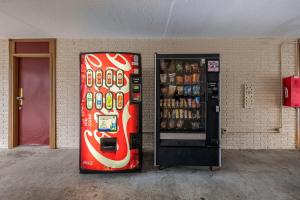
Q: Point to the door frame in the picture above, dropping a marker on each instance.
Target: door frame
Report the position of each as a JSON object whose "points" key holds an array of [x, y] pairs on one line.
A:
{"points": [[13, 133]]}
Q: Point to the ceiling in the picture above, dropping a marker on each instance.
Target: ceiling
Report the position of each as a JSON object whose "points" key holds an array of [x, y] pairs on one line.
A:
{"points": [[149, 18]]}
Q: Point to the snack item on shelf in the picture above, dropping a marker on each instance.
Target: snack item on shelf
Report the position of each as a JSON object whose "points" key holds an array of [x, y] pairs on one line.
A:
{"points": [[167, 114], [179, 66], [172, 78], [179, 80], [187, 79], [179, 90], [172, 68], [195, 114], [195, 125], [187, 90], [194, 104], [173, 103], [189, 102], [163, 78], [188, 67], [177, 103], [195, 78], [183, 103], [177, 113], [173, 114], [164, 103], [190, 114], [185, 114], [164, 91], [197, 101], [179, 123], [161, 102], [196, 90], [195, 67], [171, 123], [172, 90], [181, 113], [163, 124], [164, 65], [168, 103]]}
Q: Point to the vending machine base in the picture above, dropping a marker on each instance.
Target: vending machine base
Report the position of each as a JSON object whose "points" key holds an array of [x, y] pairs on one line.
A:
{"points": [[192, 156]]}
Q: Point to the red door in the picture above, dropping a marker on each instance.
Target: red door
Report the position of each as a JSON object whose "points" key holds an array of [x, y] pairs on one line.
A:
{"points": [[34, 114]]}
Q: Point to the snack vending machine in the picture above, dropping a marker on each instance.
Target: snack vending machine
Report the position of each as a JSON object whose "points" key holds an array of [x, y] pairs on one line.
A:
{"points": [[111, 112], [187, 120]]}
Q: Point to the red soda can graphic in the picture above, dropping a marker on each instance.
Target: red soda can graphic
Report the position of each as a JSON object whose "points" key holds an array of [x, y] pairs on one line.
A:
{"points": [[120, 78], [109, 78], [120, 100], [99, 78], [89, 78], [98, 100], [109, 101], [89, 101]]}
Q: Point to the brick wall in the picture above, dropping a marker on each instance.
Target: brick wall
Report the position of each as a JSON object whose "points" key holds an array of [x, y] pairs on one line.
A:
{"points": [[254, 61], [242, 60], [4, 93]]}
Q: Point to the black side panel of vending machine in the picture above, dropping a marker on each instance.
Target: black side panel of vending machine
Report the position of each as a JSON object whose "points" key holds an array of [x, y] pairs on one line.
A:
{"points": [[213, 102]]}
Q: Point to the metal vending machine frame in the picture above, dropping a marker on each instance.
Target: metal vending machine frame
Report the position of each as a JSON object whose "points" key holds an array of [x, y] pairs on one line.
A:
{"points": [[112, 95], [188, 147]]}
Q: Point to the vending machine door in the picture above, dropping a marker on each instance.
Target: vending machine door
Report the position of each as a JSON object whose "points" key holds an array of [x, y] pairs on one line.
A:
{"points": [[111, 119]]}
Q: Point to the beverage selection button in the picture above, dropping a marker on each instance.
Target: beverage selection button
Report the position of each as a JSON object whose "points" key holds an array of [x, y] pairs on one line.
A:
{"points": [[120, 100], [109, 78], [89, 101], [120, 78], [98, 100], [99, 78], [109, 101], [89, 78]]}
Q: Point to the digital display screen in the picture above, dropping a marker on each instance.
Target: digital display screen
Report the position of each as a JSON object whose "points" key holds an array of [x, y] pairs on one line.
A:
{"points": [[107, 123]]}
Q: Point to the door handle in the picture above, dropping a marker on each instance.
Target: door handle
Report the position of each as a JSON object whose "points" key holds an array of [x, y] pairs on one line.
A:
{"points": [[20, 98]]}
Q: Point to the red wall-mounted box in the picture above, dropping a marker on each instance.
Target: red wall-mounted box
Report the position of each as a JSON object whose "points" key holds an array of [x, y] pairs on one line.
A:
{"points": [[291, 91]]}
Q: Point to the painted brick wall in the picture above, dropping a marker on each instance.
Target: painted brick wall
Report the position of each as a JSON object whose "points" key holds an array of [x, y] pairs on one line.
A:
{"points": [[4, 93], [254, 61], [242, 60]]}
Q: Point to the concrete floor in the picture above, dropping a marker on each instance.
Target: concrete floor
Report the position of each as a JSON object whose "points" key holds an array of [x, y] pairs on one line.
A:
{"points": [[40, 173]]}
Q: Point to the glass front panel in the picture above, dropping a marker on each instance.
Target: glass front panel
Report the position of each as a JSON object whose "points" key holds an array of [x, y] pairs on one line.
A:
{"points": [[182, 95]]}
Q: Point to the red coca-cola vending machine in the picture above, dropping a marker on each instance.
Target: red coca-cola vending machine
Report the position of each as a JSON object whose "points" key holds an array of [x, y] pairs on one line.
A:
{"points": [[111, 112]]}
